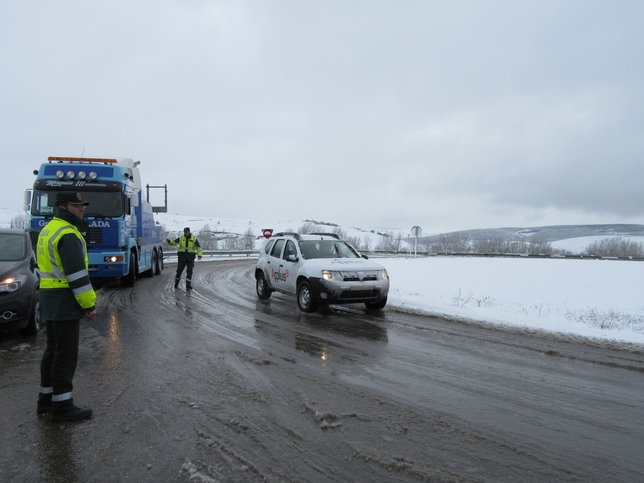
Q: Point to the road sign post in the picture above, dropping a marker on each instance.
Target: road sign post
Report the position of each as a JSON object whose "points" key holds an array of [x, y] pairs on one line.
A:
{"points": [[416, 231]]}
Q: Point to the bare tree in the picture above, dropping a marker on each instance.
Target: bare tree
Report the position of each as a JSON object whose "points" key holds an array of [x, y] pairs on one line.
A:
{"points": [[20, 221], [207, 238], [499, 245], [307, 228], [165, 234], [340, 232], [452, 243], [354, 241], [389, 242], [247, 241], [366, 243], [540, 247], [231, 243], [615, 247]]}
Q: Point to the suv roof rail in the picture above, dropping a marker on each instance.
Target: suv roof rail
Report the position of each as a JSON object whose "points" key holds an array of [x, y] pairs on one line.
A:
{"points": [[287, 233], [334, 235]]}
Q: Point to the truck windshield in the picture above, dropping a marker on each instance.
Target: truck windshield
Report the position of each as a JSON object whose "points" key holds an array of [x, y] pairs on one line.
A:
{"points": [[101, 204]]}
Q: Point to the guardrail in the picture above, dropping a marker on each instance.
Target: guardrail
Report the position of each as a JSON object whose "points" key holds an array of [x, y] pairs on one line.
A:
{"points": [[499, 255], [171, 255], [218, 254]]}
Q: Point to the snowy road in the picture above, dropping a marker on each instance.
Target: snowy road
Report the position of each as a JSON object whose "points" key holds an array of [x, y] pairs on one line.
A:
{"points": [[216, 385]]}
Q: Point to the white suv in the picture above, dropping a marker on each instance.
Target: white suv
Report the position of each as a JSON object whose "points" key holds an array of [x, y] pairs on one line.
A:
{"points": [[319, 268]]}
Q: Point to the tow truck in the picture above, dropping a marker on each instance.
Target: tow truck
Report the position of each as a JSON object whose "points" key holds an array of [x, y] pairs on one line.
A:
{"points": [[123, 240]]}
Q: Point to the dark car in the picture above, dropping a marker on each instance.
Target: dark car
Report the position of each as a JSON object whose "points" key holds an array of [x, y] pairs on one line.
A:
{"points": [[19, 282]]}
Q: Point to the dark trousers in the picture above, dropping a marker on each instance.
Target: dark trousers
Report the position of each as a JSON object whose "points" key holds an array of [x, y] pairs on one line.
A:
{"points": [[59, 361], [184, 262]]}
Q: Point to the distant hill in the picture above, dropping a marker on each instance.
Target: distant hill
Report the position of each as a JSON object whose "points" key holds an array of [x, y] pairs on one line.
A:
{"points": [[580, 236], [546, 233]]}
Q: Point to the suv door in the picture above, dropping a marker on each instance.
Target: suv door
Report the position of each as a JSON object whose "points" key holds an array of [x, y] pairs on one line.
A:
{"points": [[288, 263], [274, 264]]}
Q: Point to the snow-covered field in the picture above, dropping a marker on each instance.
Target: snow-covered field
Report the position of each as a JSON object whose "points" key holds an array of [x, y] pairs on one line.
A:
{"points": [[589, 298], [598, 299]]}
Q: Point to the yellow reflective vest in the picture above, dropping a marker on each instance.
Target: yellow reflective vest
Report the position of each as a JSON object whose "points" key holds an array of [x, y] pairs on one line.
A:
{"points": [[52, 271], [187, 245]]}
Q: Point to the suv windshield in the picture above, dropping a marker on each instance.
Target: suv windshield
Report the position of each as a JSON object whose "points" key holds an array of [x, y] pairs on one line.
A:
{"points": [[326, 249], [12, 247]]}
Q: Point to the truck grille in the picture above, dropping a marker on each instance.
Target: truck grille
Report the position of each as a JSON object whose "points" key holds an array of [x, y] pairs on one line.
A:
{"points": [[94, 236]]}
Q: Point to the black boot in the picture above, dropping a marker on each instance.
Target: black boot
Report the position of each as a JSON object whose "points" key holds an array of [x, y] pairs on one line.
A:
{"points": [[188, 286], [176, 283], [44, 403], [67, 411]]}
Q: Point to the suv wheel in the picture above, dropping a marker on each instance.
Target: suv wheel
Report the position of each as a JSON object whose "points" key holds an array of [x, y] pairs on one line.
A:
{"points": [[263, 292], [306, 301], [380, 304]]}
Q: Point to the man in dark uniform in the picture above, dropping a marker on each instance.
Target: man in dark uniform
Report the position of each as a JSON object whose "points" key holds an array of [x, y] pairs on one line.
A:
{"points": [[188, 247], [66, 295]]}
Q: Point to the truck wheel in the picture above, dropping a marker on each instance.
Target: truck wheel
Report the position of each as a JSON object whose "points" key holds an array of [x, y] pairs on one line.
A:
{"points": [[263, 291], [153, 266], [157, 267], [306, 301], [129, 279], [380, 304], [161, 266], [33, 326]]}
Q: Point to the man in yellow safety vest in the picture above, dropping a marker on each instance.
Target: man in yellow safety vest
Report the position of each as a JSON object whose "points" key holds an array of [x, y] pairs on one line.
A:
{"points": [[188, 247], [66, 295]]}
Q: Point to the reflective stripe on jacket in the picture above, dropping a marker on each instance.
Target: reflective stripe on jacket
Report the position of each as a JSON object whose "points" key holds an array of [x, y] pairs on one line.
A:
{"points": [[52, 270], [187, 245]]}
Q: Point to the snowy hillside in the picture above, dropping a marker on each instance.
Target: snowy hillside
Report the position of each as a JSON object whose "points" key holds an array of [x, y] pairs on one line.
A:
{"points": [[176, 223], [565, 238]]}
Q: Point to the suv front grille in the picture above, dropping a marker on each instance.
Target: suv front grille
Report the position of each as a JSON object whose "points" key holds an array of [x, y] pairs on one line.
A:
{"points": [[355, 277]]}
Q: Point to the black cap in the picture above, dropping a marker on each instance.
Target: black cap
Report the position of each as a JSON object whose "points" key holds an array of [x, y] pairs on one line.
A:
{"points": [[72, 198], [186, 228]]}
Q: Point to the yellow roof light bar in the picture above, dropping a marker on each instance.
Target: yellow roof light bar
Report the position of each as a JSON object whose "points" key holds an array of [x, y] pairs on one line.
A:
{"points": [[59, 159]]}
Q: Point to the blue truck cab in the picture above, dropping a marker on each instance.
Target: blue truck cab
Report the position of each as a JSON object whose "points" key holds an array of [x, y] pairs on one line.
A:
{"points": [[123, 240]]}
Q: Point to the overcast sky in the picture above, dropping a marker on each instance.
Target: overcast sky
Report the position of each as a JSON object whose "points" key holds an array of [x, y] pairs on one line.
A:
{"points": [[444, 114]]}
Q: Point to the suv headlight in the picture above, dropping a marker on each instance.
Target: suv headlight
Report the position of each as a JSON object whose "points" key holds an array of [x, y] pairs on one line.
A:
{"points": [[328, 275], [13, 283], [384, 274]]}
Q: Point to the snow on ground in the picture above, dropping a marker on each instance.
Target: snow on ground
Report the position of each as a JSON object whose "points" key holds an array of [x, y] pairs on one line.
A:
{"points": [[598, 299], [589, 298]]}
